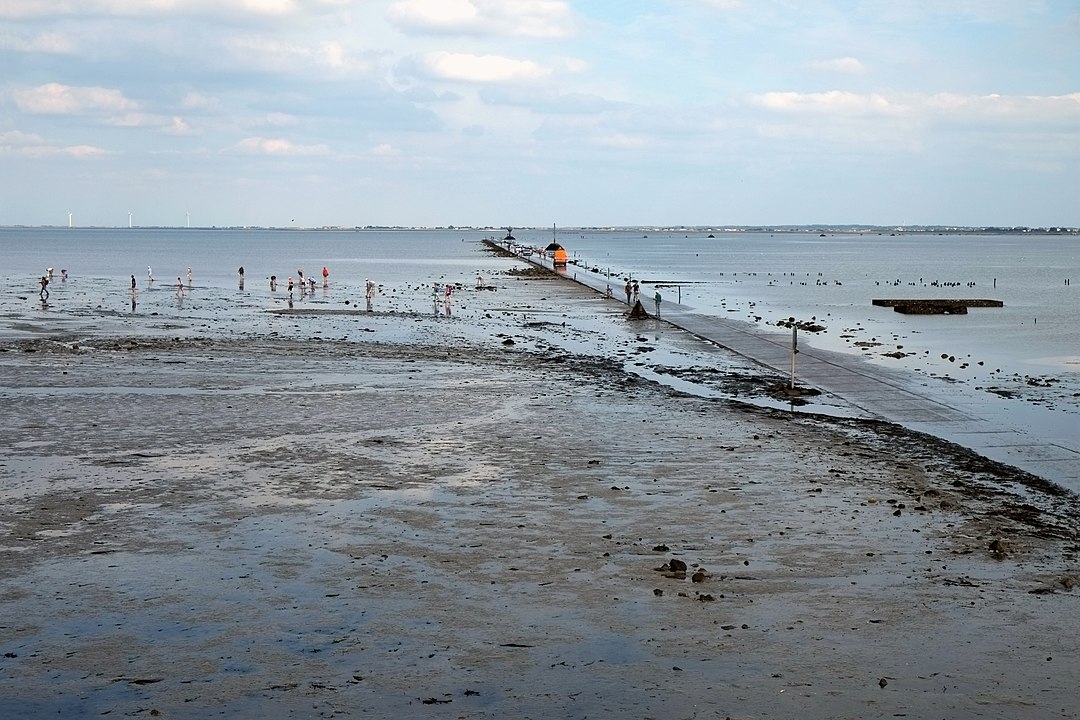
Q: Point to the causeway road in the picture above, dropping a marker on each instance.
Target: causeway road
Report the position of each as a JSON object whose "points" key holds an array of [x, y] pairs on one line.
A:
{"points": [[1004, 430]]}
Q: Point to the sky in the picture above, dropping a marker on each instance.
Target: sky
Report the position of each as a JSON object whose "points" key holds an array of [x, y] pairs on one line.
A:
{"points": [[307, 113]]}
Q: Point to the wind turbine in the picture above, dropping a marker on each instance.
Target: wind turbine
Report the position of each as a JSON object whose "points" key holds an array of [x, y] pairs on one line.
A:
{"points": [[69, 220], [129, 219]]}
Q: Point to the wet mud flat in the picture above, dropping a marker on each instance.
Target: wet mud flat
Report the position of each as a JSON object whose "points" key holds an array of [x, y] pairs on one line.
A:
{"points": [[239, 528]]}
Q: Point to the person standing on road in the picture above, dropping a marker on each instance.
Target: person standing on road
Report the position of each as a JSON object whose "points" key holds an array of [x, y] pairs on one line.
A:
{"points": [[629, 289]]}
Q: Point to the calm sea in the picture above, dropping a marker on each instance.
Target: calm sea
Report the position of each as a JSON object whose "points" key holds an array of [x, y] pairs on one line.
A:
{"points": [[757, 277], [833, 279]]}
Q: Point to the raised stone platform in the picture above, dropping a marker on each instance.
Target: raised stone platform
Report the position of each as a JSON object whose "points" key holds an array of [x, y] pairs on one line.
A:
{"points": [[918, 306]]}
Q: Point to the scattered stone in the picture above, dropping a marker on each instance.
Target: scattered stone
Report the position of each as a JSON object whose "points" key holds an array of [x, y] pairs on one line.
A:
{"points": [[676, 565], [999, 548], [660, 548], [882, 682]]}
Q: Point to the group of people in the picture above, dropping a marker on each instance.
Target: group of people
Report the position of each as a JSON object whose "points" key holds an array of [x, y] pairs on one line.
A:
{"points": [[304, 285], [48, 278], [633, 289], [440, 292]]}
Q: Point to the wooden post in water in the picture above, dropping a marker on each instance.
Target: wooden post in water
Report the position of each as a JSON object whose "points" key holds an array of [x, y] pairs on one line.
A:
{"points": [[794, 350]]}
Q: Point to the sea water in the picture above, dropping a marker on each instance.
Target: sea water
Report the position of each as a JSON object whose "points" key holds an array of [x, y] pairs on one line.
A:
{"points": [[756, 277], [831, 281], [101, 262]]}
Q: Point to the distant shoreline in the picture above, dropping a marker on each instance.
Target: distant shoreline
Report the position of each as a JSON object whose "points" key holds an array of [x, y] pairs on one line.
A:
{"points": [[696, 229]]}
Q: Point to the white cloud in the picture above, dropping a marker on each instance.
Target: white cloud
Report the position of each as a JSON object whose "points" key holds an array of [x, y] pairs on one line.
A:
{"points": [[14, 137], [277, 147], [1024, 108], [480, 68], [178, 126], [57, 99], [278, 119], [55, 43], [623, 141], [32, 145], [843, 65], [520, 18], [435, 15], [832, 102], [332, 54], [43, 151], [16, 9], [271, 54], [198, 101], [385, 150], [969, 108], [722, 4]]}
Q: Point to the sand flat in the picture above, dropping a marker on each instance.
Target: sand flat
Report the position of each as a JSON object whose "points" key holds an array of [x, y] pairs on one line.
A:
{"points": [[439, 523]]}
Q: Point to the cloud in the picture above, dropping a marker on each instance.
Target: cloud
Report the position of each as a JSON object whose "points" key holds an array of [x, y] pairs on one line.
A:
{"points": [[198, 101], [623, 141], [977, 109], [15, 137], [278, 119], [722, 4], [32, 145], [844, 66], [832, 102], [178, 126], [57, 99], [54, 43], [17, 9], [271, 54], [385, 150], [516, 18], [276, 147], [546, 100], [479, 68], [75, 151]]}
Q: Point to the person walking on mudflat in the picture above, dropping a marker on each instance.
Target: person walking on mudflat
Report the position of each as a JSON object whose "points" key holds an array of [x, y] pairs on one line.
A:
{"points": [[44, 293], [629, 289]]}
